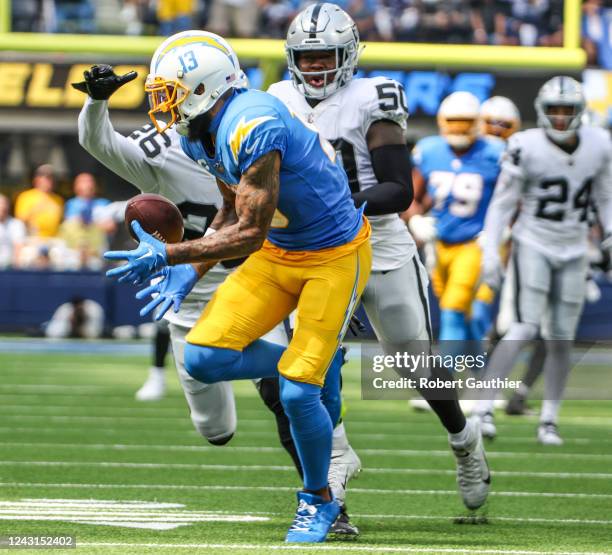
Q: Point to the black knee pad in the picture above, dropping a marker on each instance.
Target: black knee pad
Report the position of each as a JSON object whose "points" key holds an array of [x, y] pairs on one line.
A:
{"points": [[269, 392]]}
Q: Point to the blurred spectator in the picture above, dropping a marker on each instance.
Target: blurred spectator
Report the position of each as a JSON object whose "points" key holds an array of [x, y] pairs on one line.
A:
{"points": [[12, 235], [447, 21], [132, 14], [82, 206], [234, 18], [362, 11], [30, 16], [175, 16], [80, 230], [532, 23], [80, 317], [39, 207], [75, 16], [596, 32], [489, 20], [276, 15]]}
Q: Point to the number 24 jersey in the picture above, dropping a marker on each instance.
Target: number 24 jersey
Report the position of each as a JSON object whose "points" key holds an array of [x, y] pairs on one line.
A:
{"points": [[557, 188]]}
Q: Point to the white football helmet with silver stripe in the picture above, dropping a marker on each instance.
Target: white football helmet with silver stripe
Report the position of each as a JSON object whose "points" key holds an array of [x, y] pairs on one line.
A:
{"points": [[323, 27]]}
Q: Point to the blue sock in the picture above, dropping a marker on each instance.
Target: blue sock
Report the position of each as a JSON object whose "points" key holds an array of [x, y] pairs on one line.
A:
{"points": [[330, 394], [453, 326], [481, 321], [311, 428], [213, 364]]}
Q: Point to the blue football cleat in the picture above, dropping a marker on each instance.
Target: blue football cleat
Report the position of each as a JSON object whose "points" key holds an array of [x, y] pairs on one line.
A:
{"points": [[313, 519]]}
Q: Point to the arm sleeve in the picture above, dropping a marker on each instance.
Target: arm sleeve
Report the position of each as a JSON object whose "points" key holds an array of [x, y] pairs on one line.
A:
{"points": [[602, 191], [118, 153], [394, 192]]}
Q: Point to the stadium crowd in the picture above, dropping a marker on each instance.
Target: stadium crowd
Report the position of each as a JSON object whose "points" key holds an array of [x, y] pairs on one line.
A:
{"points": [[48, 232], [497, 22]]}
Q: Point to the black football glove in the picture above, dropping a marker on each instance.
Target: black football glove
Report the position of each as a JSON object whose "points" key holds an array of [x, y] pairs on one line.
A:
{"points": [[101, 82]]}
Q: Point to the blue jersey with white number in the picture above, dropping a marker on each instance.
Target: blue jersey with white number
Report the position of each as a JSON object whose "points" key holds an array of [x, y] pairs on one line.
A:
{"points": [[460, 186], [315, 209]]}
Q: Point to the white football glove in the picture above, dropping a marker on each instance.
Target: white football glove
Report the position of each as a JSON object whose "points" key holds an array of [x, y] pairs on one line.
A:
{"points": [[423, 228], [492, 270]]}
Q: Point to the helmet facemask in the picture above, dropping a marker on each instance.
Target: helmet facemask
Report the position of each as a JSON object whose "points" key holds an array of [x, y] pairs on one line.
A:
{"points": [[460, 133], [165, 97], [560, 121], [498, 128], [333, 79]]}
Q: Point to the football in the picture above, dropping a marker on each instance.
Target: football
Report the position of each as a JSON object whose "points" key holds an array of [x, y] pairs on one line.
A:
{"points": [[157, 216]]}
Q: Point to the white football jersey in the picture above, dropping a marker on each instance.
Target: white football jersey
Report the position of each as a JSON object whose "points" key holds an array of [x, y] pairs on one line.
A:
{"points": [[344, 119], [557, 188], [156, 163]]}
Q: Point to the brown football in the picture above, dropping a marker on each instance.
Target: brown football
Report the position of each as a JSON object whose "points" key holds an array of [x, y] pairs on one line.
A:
{"points": [[157, 216]]}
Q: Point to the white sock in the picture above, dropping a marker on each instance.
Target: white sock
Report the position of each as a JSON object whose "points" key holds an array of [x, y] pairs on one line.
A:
{"points": [[522, 390], [339, 439], [483, 406], [462, 437], [157, 372], [550, 411]]}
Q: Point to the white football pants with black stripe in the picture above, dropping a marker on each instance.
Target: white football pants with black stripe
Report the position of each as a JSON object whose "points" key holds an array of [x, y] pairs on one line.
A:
{"points": [[397, 306], [212, 406], [549, 291]]}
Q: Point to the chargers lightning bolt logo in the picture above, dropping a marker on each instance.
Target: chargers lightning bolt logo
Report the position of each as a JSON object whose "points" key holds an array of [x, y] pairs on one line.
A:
{"points": [[241, 132]]}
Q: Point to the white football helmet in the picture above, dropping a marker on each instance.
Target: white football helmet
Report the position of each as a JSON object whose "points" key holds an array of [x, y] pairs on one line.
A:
{"points": [[323, 27], [458, 119], [189, 73], [499, 117], [560, 91]]}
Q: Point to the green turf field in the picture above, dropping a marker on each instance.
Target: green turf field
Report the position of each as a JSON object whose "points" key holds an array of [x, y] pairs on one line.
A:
{"points": [[76, 448]]}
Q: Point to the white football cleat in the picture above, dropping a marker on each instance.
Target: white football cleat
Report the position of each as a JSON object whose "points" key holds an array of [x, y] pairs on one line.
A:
{"points": [[487, 425], [154, 388], [343, 466], [473, 475], [548, 434]]}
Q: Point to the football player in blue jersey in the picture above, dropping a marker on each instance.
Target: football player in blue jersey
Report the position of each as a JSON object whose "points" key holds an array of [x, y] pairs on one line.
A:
{"points": [[456, 171], [288, 207]]}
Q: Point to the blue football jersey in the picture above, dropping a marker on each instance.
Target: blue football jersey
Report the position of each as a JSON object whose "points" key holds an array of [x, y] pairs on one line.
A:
{"points": [[315, 209], [459, 186]]}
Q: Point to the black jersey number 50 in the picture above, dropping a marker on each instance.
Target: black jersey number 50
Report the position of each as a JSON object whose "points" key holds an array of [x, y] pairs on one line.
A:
{"points": [[391, 96]]}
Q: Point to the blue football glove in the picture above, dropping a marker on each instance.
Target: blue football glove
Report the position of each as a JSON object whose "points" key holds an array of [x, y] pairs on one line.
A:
{"points": [[175, 285], [147, 258]]}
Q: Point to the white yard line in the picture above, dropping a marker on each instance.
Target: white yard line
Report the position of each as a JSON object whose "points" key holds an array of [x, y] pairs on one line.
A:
{"points": [[446, 452], [278, 468], [110, 508], [367, 491], [339, 548], [38, 430]]}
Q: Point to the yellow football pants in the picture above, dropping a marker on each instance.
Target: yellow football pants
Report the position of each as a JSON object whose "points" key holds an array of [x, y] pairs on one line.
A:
{"points": [[456, 276], [264, 291]]}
